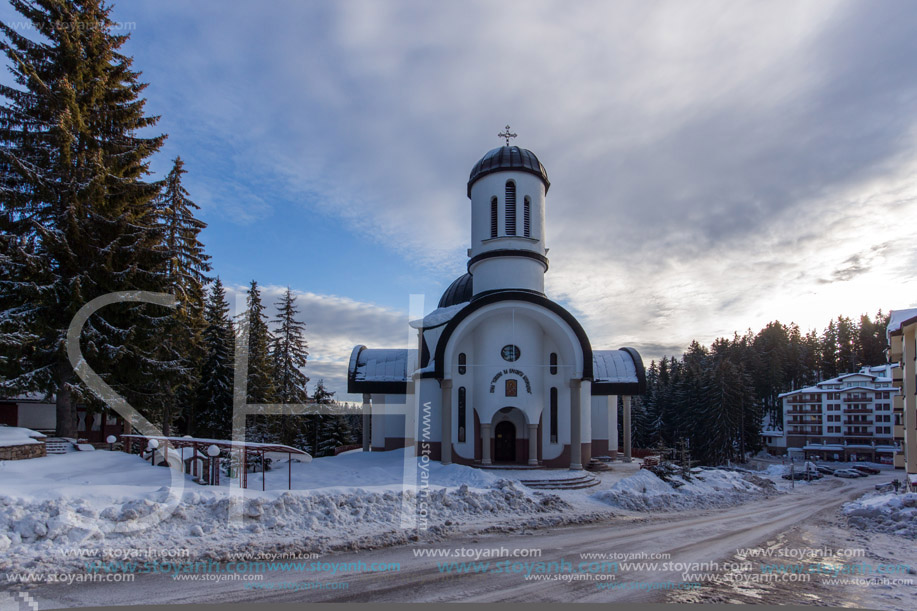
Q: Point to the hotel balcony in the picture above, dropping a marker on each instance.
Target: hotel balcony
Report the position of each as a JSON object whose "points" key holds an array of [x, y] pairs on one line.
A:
{"points": [[857, 399], [848, 422], [805, 431], [858, 410], [804, 399], [849, 433]]}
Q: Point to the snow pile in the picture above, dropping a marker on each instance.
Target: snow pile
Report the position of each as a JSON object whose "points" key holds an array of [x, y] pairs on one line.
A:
{"points": [[646, 491], [18, 436], [886, 513], [776, 470], [111, 501], [37, 534]]}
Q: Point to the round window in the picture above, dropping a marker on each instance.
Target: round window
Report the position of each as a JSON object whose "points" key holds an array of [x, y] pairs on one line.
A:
{"points": [[510, 353]]}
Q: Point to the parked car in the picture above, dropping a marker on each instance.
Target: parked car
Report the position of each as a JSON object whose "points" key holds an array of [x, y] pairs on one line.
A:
{"points": [[802, 475], [866, 470], [848, 473], [825, 470]]}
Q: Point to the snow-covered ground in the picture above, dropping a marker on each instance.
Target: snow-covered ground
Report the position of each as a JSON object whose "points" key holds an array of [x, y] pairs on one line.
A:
{"points": [[644, 491], [18, 436], [55, 508], [894, 514]]}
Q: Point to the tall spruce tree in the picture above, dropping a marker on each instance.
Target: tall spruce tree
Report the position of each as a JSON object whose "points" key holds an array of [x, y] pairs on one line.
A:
{"points": [[78, 219], [261, 390], [260, 372], [215, 388], [318, 422], [289, 352], [186, 268]]}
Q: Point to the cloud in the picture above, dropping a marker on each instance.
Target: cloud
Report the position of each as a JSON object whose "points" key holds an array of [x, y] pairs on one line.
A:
{"points": [[714, 165], [334, 325]]}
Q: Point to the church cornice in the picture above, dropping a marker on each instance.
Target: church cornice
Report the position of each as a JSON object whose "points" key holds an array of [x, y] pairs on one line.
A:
{"points": [[508, 252], [486, 299]]}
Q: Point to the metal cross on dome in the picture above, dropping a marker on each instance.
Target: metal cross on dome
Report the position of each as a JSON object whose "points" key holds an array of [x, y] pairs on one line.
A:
{"points": [[506, 134]]}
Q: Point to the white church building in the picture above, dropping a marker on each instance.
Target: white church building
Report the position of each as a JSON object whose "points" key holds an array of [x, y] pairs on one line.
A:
{"points": [[501, 372]]}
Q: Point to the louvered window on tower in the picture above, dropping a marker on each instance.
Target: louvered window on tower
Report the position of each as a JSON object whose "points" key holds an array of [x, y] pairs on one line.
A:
{"points": [[527, 217], [510, 208], [493, 217]]}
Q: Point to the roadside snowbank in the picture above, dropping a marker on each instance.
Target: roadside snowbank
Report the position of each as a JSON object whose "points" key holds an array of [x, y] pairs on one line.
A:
{"points": [[60, 511], [891, 513], [645, 491]]}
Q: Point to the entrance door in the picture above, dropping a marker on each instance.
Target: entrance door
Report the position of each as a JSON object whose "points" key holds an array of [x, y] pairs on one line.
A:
{"points": [[505, 442]]}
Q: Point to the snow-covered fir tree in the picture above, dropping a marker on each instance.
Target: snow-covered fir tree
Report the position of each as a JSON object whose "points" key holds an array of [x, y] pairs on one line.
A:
{"points": [[214, 394], [254, 326], [289, 352], [260, 371], [335, 433], [321, 396], [186, 269], [78, 218]]}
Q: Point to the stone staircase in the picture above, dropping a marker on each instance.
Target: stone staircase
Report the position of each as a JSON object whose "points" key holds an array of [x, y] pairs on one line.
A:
{"points": [[573, 482], [57, 445], [599, 464]]}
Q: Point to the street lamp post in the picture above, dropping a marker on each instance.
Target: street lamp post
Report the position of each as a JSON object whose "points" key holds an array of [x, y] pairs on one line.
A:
{"points": [[213, 452], [151, 446]]}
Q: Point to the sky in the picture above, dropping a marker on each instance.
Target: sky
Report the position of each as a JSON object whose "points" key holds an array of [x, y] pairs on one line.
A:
{"points": [[714, 165]]}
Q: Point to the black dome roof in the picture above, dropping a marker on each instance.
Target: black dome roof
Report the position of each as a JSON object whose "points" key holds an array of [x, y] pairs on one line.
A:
{"points": [[458, 292], [508, 158]]}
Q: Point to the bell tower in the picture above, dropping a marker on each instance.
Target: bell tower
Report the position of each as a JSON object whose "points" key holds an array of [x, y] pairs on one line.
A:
{"points": [[507, 188]]}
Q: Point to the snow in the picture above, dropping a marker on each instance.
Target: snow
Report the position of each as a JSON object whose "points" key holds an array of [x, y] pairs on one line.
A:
{"points": [[646, 491], [780, 470], [439, 316], [106, 500], [381, 365], [102, 500], [616, 366], [890, 513], [897, 317], [18, 436]]}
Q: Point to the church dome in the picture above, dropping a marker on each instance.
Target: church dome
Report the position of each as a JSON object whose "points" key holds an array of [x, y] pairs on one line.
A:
{"points": [[458, 292], [508, 158]]}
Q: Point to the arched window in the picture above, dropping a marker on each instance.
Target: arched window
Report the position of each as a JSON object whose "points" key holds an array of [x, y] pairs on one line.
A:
{"points": [[510, 221], [553, 363], [462, 362], [527, 217], [493, 217], [553, 415], [461, 414]]}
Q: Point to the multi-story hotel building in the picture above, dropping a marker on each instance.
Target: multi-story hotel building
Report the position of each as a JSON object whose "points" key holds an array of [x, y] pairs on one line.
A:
{"points": [[847, 418], [902, 349]]}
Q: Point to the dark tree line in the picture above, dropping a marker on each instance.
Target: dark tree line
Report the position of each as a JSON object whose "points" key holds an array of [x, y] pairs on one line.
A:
{"points": [[718, 397]]}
